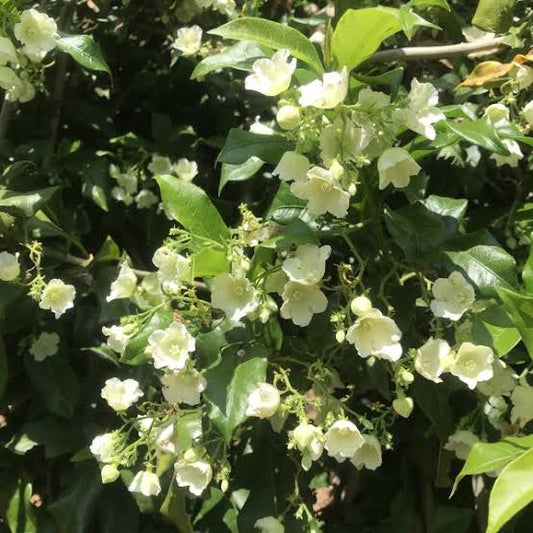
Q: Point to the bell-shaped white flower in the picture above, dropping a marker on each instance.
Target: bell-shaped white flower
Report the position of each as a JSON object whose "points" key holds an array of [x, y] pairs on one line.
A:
{"points": [[146, 199], [432, 359], [37, 31], [497, 113], [502, 381], [185, 169], [171, 347], [523, 76], [527, 111], [128, 181], [160, 165], [8, 54], [368, 455], [292, 167], [310, 442], [344, 137], [376, 335], [235, 295], [453, 296], [473, 364], [522, 400], [58, 297], [271, 76], [184, 386], [188, 40], [117, 338], [269, 524], [9, 266], [301, 302], [343, 439], [161, 435], [121, 394], [308, 264], [473, 156], [323, 192], [288, 117], [370, 99], [122, 195], [124, 285], [193, 474], [173, 268], [396, 166], [461, 443], [45, 345], [263, 401], [515, 154], [103, 447], [421, 112], [326, 93], [147, 483]]}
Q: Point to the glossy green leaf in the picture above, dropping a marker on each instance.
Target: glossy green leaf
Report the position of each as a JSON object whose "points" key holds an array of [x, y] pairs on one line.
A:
{"points": [[175, 510], [429, 3], [493, 327], [286, 207], [241, 145], [241, 172], [20, 515], [25, 203], [527, 272], [209, 262], [85, 51], [239, 56], [494, 15], [191, 207], [480, 132], [511, 492], [273, 35]]}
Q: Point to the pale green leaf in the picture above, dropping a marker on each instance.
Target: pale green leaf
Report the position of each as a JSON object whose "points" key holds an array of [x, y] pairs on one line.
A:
{"points": [[241, 172], [85, 51]]}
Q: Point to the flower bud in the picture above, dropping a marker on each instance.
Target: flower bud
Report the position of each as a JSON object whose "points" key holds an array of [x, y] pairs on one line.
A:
{"points": [[340, 336], [406, 376], [288, 117], [224, 485], [361, 305], [403, 406], [109, 473]]}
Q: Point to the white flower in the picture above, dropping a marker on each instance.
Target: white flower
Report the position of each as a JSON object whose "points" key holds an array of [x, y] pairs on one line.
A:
{"points": [[432, 359], [501, 383], [497, 113], [194, 474], [453, 296], [343, 439], [121, 394], [344, 137], [308, 264], [23, 91], [325, 94], [162, 435], [461, 443], [225, 7], [260, 127], [368, 455], [360, 305], [116, 338], [173, 268], [103, 447], [269, 524], [292, 167], [45, 345], [8, 54], [9, 266], [323, 193], [528, 113], [288, 117], [146, 199], [523, 76], [515, 154], [522, 400], [472, 364], [473, 156], [376, 335], [109, 474], [160, 165], [37, 31], [370, 99], [125, 284], [128, 181], [235, 295], [271, 76], [396, 166], [403, 406], [171, 347], [263, 401], [310, 442], [185, 169], [421, 112], [122, 195], [57, 297], [9, 81], [301, 302], [147, 483], [188, 40], [184, 386]]}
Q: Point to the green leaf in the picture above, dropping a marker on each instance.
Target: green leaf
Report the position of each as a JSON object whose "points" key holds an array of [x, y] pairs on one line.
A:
{"points": [[360, 32], [209, 262], [25, 203], [520, 309], [511, 492], [286, 207], [241, 145], [20, 516], [192, 208], [494, 15], [273, 35], [429, 3], [241, 172], [3, 369], [239, 56], [527, 272], [488, 457], [480, 132], [486, 264], [392, 78], [446, 207], [85, 51], [493, 327], [175, 510]]}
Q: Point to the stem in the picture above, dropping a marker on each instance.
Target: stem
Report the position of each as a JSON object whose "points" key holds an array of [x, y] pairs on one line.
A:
{"points": [[8, 108]]}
